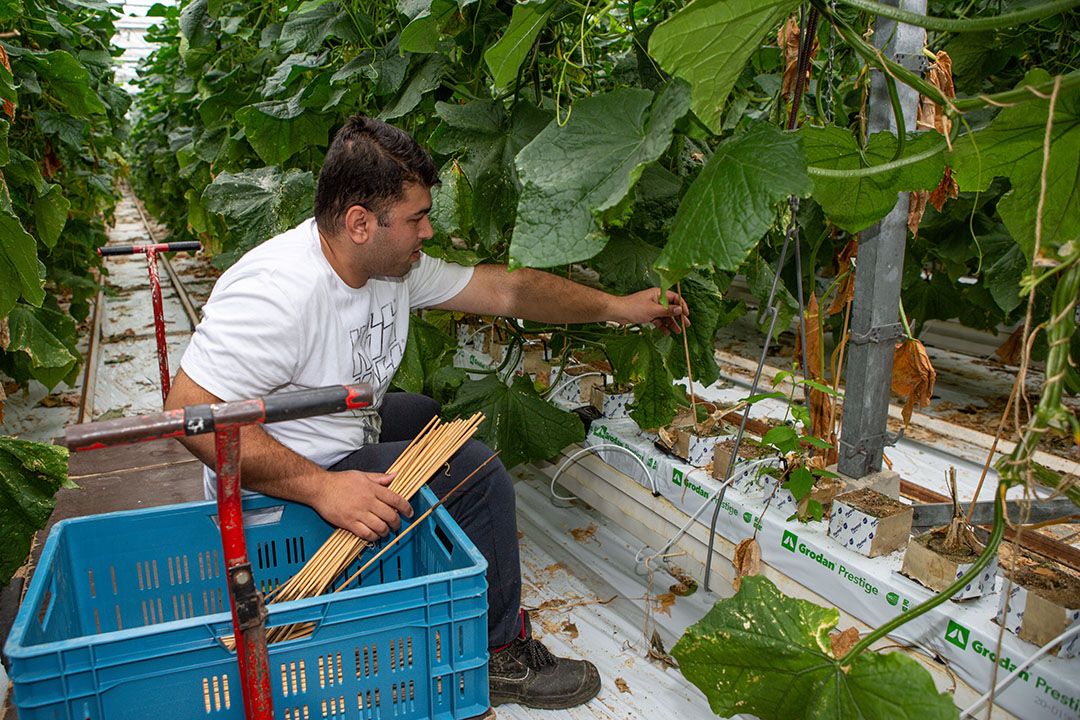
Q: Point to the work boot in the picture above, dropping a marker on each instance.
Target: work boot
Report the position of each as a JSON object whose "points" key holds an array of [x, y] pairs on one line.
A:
{"points": [[526, 672]]}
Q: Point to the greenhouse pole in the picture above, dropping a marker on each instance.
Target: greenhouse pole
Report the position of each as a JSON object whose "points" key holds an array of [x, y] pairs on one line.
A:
{"points": [[875, 308]]}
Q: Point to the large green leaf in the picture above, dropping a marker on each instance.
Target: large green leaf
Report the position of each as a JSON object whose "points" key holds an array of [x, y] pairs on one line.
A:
{"points": [[488, 138], [50, 214], [707, 310], [635, 358], [37, 332], [30, 475], [288, 69], [626, 264], [18, 256], [1012, 146], [66, 127], [733, 201], [198, 34], [855, 204], [281, 128], [258, 204], [504, 58], [424, 79], [309, 30], [69, 83], [518, 421], [708, 42], [572, 174], [425, 351], [1004, 267], [759, 276], [762, 653], [422, 33]]}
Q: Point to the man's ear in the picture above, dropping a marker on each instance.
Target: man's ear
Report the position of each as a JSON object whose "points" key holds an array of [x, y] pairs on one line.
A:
{"points": [[360, 224]]}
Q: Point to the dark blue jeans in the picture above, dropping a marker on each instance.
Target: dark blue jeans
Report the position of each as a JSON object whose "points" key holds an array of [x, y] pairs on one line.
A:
{"points": [[484, 507]]}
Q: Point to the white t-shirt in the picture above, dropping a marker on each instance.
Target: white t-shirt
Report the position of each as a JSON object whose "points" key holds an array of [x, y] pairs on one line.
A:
{"points": [[282, 319]]}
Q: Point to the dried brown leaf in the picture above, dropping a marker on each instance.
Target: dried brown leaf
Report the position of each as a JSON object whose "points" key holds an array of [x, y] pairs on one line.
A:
{"points": [[621, 684], [570, 629], [1009, 352], [842, 641], [60, 399], [747, 560], [3, 398], [946, 189], [663, 603], [9, 106], [916, 210], [930, 116], [585, 533], [5, 333], [844, 264], [913, 375], [788, 38]]}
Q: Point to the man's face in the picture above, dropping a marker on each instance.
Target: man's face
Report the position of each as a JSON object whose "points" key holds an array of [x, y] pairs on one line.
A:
{"points": [[395, 247]]}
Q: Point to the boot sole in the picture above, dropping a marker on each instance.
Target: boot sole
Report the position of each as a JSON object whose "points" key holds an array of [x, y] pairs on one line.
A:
{"points": [[563, 703]]}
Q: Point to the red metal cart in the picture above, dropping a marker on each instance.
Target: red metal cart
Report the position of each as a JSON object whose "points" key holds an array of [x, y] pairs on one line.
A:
{"points": [[225, 420]]}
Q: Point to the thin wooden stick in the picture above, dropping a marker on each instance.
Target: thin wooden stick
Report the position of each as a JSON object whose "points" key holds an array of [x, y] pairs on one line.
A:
{"points": [[686, 349], [416, 522], [430, 450]]}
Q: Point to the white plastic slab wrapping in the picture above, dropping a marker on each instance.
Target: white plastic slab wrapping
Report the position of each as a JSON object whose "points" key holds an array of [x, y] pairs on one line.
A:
{"points": [[872, 590]]}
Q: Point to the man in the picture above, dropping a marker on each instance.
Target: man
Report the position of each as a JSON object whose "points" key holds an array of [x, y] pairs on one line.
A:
{"points": [[327, 303]]}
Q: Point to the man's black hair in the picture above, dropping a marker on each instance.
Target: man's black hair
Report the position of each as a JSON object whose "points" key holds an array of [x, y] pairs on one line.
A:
{"points": [[368, 164]]}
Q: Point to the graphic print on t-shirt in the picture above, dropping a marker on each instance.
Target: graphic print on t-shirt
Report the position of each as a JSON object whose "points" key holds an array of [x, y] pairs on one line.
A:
{"points": [[376, 349]]}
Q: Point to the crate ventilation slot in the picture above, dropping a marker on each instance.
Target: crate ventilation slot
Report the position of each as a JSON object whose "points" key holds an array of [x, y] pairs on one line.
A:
{"points": [[398, 657], [330, 671], [334, 707], [179, 572], [208, 566], [294, 677], [216, 693]]}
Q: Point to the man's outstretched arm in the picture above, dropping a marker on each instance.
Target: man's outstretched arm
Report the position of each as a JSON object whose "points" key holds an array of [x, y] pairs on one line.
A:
{"points": [[357, 501], [543, 297]]}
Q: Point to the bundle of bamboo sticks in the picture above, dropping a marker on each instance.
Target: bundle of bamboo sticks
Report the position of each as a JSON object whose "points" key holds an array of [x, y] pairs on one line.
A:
{"points": [[419, 461]]}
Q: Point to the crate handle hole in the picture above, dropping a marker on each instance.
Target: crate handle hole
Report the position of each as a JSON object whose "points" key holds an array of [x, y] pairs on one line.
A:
{"points": [[444, 539], [48, 602]]}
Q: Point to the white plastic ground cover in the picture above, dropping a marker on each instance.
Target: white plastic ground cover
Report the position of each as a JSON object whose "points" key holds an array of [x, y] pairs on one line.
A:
{"points": [[870, 589], [578, 576]]}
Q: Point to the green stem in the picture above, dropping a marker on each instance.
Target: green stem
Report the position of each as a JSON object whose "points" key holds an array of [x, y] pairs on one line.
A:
{"points": [[871, 55], [877, 169], [998, 22], [898, 115], [904, 322], [981, 562], [1020, 94], [874, 57]]}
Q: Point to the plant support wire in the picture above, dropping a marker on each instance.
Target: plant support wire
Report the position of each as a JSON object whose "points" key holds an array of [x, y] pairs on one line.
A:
{"points": [[771, 306]]}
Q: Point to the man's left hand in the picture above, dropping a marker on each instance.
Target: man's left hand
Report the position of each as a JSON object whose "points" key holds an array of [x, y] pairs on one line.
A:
{"points": [[646, 306]]}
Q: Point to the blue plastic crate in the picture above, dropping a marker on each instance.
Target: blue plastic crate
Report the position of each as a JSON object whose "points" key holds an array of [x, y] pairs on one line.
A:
{"points": [[125, 615]]}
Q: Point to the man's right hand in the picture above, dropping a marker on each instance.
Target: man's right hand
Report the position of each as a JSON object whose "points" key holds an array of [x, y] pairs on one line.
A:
{"points": [[360, 502]]}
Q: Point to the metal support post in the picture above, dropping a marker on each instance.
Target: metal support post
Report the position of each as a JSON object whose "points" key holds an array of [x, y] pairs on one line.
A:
{"points": [[874, 315]]}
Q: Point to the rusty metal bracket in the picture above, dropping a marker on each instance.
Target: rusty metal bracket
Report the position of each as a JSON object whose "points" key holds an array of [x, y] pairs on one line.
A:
{"points": [[250, 609]]}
